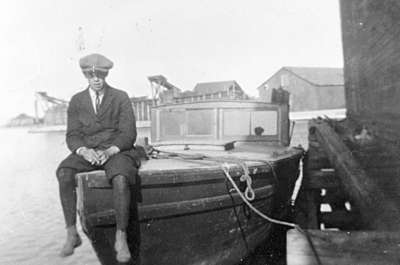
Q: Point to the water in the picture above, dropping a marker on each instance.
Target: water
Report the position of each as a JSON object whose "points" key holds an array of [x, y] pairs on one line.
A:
{"points": [[31, 220]]}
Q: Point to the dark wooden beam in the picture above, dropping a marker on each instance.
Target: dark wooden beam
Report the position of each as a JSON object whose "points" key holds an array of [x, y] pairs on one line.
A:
{"points": [[377, 212]]}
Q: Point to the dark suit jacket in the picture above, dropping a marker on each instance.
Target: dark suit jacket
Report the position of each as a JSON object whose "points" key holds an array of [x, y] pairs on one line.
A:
{"points": [[114, 124]]}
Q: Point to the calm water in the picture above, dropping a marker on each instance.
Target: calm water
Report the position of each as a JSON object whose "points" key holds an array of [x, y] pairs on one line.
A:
{"points": [[31, 220], [32, 225]]}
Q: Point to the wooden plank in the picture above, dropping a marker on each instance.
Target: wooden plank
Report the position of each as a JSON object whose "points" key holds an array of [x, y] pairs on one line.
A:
{"points": [[340, 247], [173, 209], [377, 212], [320, 179], [98, 180]]}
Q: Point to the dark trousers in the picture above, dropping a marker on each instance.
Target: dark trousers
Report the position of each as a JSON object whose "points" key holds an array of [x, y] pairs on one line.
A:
{"points": [[121, 170], [125, 163]]}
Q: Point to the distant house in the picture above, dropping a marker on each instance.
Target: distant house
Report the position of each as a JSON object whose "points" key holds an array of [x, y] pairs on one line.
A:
{"points": [[211, 91], [21, 120], [311, 88], [229, 87]]}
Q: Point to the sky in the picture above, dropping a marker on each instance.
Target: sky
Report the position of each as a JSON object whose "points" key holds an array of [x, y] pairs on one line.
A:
{"points": [[187, 41]]}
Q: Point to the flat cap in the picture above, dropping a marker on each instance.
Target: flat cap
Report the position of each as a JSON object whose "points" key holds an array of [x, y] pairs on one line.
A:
{"points": [[94, 62]]}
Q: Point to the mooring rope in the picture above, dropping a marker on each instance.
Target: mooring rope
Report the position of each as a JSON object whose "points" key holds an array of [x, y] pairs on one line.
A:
{"points": [[225, 168], [237, 217]]}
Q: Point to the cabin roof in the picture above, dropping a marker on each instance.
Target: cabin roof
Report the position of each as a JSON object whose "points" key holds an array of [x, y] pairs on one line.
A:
{"points": [[215, 87], [143, 98], [321, 76]]}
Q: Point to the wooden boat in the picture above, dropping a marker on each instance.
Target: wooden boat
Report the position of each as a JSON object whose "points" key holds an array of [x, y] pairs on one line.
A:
{"points": [[188, 212]]}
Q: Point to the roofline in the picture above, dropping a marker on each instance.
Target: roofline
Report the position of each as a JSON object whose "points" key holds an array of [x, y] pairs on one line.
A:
{"points": [[308, 81], [270, 77], [226, 81], [230, 82]]}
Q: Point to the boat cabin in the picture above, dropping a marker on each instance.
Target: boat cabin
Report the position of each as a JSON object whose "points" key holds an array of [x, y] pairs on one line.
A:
{"points": [[217, 123]]}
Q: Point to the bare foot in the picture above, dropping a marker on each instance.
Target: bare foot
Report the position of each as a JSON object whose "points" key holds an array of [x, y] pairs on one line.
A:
{"points": [[121, 247], [73, 241]]}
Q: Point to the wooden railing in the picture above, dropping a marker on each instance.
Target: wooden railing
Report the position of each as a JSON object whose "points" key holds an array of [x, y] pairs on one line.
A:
{"points": [[142, 108], [211, 96]]}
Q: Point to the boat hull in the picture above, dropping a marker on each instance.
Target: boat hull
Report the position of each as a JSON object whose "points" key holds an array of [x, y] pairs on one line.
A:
{"points": [[188, 217]]}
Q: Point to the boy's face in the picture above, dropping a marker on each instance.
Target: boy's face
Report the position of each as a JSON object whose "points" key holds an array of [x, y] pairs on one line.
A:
{"points": [[96, 80]]}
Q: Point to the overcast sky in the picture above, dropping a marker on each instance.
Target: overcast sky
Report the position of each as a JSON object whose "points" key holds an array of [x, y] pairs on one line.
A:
{"points": [[186, 41]]}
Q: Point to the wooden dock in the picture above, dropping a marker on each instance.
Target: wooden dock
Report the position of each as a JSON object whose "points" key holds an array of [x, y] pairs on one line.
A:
{"points": [[343, 247], [344, 175], [353, 166]]}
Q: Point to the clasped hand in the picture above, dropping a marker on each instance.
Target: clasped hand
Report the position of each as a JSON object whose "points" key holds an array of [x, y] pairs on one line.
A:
{"points": [[97, 157]]}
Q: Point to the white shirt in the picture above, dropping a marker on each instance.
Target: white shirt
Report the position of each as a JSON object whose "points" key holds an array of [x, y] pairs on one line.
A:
{"points": [[93, 97]]}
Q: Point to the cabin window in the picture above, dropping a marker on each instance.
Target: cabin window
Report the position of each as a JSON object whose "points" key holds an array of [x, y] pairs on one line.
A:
{"points": [[200, 122], [236, 122], [242, 122], [267, 120], [172, 123]]}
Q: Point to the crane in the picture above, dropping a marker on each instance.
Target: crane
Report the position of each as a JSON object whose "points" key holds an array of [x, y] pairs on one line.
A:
{"points": [[44, 102]]}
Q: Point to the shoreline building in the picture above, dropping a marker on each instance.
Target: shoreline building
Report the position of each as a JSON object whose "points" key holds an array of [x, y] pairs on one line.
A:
{"points": [[21, 120], [212, 90], [310, 88]]}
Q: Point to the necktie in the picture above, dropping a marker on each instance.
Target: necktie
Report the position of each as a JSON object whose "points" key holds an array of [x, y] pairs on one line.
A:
{"points": [[97, 102]]}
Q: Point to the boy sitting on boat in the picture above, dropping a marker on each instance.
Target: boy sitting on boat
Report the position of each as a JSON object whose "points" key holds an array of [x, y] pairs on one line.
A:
{"points": [[101, 131]]}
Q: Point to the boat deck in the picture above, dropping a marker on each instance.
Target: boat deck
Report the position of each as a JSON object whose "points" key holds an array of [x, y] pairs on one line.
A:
{"points": [[190, 165]]}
